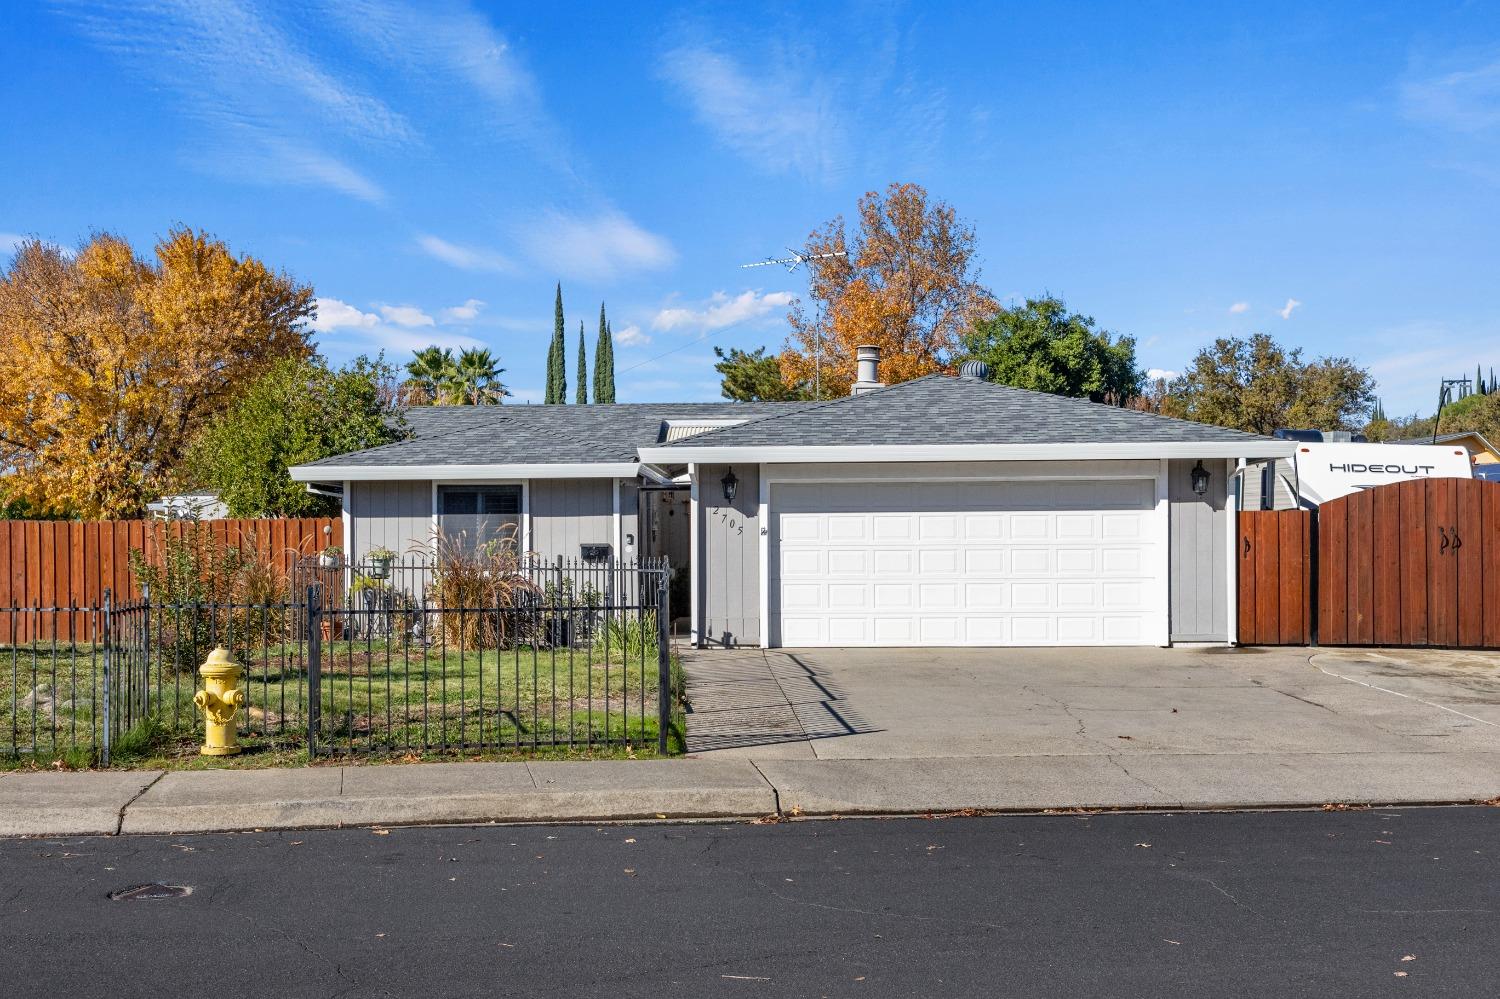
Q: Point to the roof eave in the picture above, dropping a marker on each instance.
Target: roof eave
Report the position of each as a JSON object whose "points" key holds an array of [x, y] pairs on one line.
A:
{"points": [[407, 473], [1089, 451]]}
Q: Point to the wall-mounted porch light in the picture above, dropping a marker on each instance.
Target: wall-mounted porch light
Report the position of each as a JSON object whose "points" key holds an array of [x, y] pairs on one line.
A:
{"points": [[730, 485], [1200, 477]]}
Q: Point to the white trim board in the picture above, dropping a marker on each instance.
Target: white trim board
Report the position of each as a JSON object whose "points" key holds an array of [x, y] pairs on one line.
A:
{"points": [[1092, 451], [465, 473]]}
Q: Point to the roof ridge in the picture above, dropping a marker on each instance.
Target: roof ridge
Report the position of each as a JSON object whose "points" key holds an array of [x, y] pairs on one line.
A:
{"points": [[814, 406]]}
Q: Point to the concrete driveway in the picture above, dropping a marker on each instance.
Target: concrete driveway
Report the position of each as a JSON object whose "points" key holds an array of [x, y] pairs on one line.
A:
{"points": [[854, 704]]}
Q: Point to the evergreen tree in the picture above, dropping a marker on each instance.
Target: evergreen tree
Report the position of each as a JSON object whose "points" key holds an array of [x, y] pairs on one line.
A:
{"points": [[1478, 379], [583, 369], [604, 361], [557, 357]]}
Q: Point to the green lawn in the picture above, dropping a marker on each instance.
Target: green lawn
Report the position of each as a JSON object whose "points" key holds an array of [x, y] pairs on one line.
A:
{"points": [[389, 697]]}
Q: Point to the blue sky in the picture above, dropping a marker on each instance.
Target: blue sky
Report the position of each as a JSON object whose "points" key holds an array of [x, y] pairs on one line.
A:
{"points": [[1329, 175]]}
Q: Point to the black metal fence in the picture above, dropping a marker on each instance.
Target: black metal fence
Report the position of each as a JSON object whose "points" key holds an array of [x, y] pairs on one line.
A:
{"points": [[562, 655]]}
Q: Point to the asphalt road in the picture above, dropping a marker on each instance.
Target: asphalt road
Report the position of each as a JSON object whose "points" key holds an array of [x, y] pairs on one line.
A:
{"points": [[1399, 902]]}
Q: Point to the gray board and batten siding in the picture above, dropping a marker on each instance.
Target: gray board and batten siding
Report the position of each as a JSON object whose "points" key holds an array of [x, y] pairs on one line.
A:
{"points": [[1198, 578], [395, 515], [729, 566]]}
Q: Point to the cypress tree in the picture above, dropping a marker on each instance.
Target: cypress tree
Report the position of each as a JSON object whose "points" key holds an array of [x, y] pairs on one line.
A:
{"points": [[557, 357], [583, 369], [604, 361]]}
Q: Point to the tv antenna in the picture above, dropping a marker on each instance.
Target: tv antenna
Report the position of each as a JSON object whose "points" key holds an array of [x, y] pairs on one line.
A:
{"points": [[791, 263]]}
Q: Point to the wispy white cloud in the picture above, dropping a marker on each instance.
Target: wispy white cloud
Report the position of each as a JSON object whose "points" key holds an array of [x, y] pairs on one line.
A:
{"points": [[1410, 360], [1465, 99], [408, 316], [1291, 306], [465, 313], [1239, 307], [398, 329], [721, 311], [594, 247], [10, 242], [400, 342], [468, 258], [269, 108], [1165, 373], [334, 314], [454, 43], [778, 120], [631, 336]]}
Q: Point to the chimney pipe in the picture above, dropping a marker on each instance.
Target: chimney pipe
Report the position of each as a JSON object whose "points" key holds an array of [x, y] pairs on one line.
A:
{"points": [[867, 369]]}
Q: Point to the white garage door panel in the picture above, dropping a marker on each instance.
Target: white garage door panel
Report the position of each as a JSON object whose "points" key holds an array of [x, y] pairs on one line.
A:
{"points": [[966, 563]]}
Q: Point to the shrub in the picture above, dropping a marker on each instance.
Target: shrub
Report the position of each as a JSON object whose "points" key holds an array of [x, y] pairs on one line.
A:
{"points": [[476, 591], [192, 583], [631, 636], [261, 587]]}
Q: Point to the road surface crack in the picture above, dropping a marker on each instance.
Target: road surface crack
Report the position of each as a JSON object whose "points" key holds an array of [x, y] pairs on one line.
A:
{"points": [[1237, 903], [301, 944], [826, 907]]}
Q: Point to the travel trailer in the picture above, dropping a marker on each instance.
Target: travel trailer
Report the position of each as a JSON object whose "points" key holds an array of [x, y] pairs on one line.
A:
{"points": [[1323, 470]]}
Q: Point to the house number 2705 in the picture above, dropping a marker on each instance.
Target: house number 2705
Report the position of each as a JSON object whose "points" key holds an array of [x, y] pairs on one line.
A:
{"points": [[725, 518]]}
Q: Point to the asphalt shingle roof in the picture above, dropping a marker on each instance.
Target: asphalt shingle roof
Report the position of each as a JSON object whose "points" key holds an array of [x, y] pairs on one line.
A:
{"points": [[504, 435], [937, 409], [940, 409]]}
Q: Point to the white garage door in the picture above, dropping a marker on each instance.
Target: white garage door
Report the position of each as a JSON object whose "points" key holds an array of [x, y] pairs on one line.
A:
{"points": [[966, 563]]}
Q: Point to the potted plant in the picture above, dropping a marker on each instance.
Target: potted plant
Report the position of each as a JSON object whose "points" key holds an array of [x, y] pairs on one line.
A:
{"points": [[331, 558], [380, 563]]}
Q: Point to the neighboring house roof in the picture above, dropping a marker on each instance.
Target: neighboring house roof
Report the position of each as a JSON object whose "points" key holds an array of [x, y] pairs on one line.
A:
{"points": [[940, 412], [1450, 438]]}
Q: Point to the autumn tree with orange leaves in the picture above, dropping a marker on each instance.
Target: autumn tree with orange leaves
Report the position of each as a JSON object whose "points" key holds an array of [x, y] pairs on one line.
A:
{"points": [[110, 364], [907, 284]]}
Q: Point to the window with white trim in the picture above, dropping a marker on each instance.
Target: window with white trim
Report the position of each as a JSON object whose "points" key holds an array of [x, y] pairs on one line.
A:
{"points": [[476, 516]]}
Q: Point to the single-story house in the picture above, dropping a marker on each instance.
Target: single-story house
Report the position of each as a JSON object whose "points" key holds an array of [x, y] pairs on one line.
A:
{"points": [[940, 511]]}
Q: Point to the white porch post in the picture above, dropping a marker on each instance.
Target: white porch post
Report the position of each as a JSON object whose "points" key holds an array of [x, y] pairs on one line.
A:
{"points": [[695, 631], [763, 519]]}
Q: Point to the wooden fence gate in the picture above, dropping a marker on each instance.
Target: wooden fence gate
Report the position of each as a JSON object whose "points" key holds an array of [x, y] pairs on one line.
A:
{"points": [[1411, 563], [1275, 577]]}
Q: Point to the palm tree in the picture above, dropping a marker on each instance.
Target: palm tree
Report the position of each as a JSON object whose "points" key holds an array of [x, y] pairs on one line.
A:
{"points": [[476, 378], [431, 372]]}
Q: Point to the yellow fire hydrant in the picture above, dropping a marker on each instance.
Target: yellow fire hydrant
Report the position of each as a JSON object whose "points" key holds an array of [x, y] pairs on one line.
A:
{"points": [[219, 700]]}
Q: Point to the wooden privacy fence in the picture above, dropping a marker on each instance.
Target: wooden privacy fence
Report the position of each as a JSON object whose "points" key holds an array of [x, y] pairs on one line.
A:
{"points": [[1275, 577], [1412, 563], [1408, 564], [69, 564]]}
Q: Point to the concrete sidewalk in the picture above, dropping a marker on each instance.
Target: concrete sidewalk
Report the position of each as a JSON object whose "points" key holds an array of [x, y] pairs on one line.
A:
{"points": [[68, 804], [845, 732]]}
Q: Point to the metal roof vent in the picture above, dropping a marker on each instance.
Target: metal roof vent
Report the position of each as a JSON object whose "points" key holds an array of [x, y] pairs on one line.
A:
{"points": [[867, 372], [974, 369]]}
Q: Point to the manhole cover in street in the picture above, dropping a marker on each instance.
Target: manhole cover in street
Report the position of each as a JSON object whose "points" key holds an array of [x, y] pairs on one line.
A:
{"points": [[142, 892]]}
